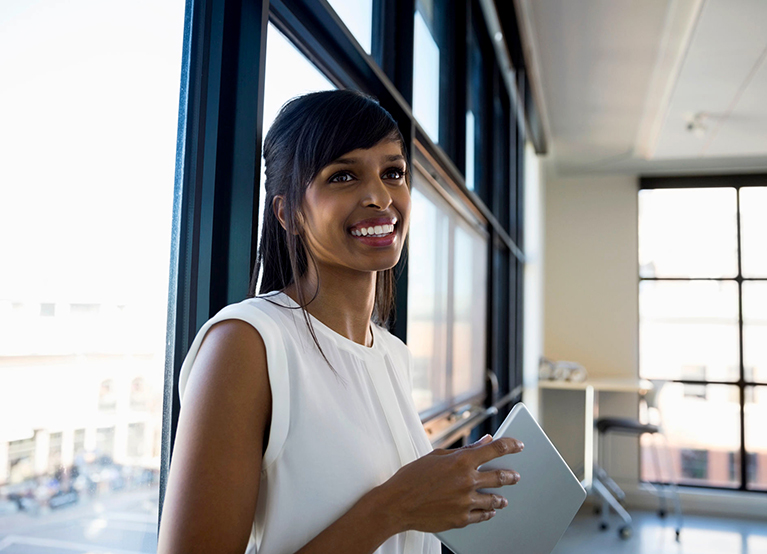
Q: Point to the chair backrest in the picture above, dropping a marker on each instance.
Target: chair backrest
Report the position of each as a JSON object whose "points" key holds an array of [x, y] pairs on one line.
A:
{"points": [[651, 397]]}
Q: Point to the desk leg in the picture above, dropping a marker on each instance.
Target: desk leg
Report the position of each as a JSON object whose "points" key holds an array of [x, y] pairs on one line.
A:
{"points": [[588, 443]]}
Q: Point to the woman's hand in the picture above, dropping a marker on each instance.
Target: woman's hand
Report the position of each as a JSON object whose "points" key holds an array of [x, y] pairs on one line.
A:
{"points": [[439, 491]]}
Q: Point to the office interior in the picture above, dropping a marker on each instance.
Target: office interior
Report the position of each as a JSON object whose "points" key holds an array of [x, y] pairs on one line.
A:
{"points": [[588, 184]]}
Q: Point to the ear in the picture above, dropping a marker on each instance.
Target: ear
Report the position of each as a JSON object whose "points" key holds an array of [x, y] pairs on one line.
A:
{"points": [[278, 206]]}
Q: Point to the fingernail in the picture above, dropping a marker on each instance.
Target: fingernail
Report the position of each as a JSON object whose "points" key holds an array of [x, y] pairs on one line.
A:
{"points": [[484, 439], [516, 475], [504, 502], [521, 445]]}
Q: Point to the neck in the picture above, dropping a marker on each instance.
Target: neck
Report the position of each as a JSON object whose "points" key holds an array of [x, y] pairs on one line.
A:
{"points": [[344, 302]]}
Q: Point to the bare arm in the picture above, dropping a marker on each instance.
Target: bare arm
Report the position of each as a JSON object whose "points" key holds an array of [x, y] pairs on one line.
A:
{"points": [[215, 472], [214, 477]]}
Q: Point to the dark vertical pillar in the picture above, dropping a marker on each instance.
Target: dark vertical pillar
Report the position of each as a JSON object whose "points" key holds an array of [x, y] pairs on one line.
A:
{"points": [[217, 169]]}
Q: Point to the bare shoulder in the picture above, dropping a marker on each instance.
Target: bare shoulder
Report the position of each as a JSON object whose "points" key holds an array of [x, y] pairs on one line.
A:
{"points": [[215, 468]]}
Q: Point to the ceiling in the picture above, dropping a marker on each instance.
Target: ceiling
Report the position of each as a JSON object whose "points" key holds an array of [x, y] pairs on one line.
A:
{"points": [[650, 86]]}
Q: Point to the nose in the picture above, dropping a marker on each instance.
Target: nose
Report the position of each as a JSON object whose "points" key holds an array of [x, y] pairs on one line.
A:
{"points": [[376, 194]]}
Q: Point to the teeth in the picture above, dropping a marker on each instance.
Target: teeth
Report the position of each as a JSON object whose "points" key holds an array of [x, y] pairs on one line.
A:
{"points": [[376, 231]]}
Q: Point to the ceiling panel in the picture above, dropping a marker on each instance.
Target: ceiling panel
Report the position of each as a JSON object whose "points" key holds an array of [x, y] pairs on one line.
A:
{"points": [[622, 77], [718, 75]]}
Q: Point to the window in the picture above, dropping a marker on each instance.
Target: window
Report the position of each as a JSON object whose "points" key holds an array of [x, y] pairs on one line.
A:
{"points": [[469, 299], [78, 442], [136, 440], [694, 464], [89, 111], [288, 74], [138, 394], [428, 297], [426, 78], [756, 453], [470, 149], [107, 398], [55, 443], [357, 15], [479, 109], [694, 373], [702, 298], [105, 442], [446, 301]]}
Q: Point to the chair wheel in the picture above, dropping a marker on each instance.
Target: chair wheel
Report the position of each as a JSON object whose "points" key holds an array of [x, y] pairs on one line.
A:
{"points": [[603, 526], [678, 531], [661, 513], [597, 510], [625, 532]]}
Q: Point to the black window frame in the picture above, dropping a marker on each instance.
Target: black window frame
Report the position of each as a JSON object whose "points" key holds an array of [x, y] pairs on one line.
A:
{"points": [[744, 385]]}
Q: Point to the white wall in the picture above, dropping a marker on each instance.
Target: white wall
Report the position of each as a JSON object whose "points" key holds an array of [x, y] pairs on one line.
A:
{"points": [[533, 277], [590, 304]]}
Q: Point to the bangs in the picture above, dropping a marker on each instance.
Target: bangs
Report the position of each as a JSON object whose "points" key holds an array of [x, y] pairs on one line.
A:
{"points": [[338, 123]]}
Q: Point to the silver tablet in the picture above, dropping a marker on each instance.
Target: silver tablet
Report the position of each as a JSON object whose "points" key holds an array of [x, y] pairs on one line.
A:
{"points": [[541, 505]]}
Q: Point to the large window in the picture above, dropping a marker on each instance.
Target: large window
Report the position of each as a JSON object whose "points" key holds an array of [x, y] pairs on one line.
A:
{"points": [[426, 81], [357, 15], [89, 110], [288, 74], [703, 326], [447, 301]]}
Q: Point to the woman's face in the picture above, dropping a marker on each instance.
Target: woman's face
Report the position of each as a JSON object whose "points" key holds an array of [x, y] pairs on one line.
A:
{"points": [[357, 209]]}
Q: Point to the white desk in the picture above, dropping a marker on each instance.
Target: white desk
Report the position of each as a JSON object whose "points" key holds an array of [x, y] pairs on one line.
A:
{"points": [[590, 387]]}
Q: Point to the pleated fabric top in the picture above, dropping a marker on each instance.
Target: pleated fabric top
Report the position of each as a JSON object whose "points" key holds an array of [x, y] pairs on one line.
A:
{"points": [[333, 436]]}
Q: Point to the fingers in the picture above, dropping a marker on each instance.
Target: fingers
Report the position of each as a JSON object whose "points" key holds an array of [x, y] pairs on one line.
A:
{"points": [[484, 440], [488, 502], [495, 449], [475, 516], [497, 478]]}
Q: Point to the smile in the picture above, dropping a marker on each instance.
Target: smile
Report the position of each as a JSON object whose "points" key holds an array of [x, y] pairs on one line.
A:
{"points": [[373, 231]]}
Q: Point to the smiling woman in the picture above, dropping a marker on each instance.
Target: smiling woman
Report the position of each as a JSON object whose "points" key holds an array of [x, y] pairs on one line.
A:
{"points": [[319, 458]]}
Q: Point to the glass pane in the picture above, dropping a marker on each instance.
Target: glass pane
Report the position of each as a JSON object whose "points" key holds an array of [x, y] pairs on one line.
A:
{"points": [[703, 433], [357, 15], [756, 437], [470, 145], [427, 296], [469, 311], [89, 110], [688, 233], [425, 77], [753, 237], [288, 74], [755, 330], [689, 330]]}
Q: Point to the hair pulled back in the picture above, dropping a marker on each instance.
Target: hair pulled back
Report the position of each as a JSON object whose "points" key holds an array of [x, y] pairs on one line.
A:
{"points": [[310, 132]]}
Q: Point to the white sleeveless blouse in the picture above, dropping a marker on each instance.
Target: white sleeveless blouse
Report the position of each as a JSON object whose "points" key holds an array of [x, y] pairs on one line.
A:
{"points": [[332, 438]]}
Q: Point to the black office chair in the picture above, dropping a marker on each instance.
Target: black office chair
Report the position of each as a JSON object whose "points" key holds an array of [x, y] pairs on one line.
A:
{"points": [[628, 426]]}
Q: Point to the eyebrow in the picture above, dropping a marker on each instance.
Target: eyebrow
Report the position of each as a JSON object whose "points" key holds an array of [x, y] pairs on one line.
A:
{"points": [[350, 161]]}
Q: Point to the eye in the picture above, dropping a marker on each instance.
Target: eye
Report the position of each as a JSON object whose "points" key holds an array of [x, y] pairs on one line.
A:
{"points": [[395, 173], [341, 177]]}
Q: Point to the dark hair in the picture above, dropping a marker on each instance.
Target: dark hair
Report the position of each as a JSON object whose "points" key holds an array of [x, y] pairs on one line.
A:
{"points": [[310, 132]]}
